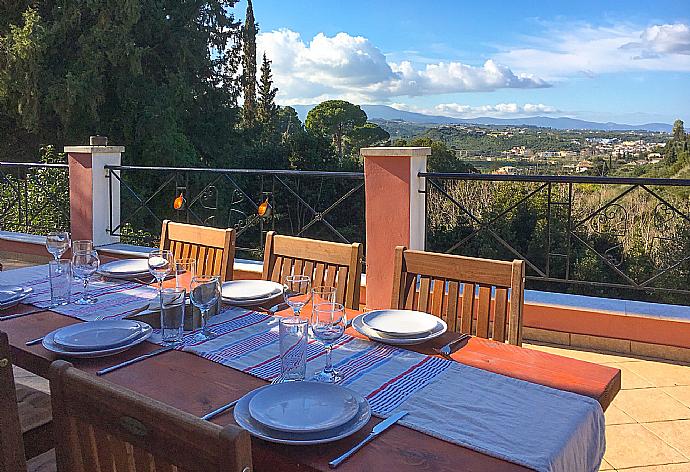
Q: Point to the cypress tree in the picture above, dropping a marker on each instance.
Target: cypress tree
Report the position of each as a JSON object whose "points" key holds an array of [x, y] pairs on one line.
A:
{"points": [[249, 65], [267, 108]]}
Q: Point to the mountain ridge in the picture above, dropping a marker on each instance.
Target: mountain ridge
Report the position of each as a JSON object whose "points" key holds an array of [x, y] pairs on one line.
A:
{"points": [[385, 112]]}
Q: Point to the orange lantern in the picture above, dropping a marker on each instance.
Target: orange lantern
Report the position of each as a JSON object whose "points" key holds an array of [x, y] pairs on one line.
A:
{"points": [[179, 202], [264, 209]]}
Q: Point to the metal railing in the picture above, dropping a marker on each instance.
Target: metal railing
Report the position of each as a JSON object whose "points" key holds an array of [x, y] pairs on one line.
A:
{"points": [[34, 197], [617, 237], [320, 205]]}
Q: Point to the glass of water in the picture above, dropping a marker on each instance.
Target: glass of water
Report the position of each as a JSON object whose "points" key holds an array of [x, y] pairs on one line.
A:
{"points": [[57, 243], [293, 332], [296, 291], [328, 325], [185, 271], [205, 293], [322, 294], [60, 281], [172, 314], [84, 265]]}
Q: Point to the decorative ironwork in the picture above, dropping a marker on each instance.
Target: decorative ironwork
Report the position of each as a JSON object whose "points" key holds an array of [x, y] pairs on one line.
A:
{"points": [[34, 197], [323, 205], [596, 235]]}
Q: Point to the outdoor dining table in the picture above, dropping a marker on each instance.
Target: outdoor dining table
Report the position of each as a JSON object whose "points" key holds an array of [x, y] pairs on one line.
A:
{"points": [[197, 385]]}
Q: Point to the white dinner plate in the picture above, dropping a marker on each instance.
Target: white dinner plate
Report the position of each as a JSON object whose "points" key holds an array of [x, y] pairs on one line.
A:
{"points": [[97, 335], [362, 328], [49, 344], [125, 268], [400, 323], [244, 418], [12, 295], [242, 290], [303, 407]]}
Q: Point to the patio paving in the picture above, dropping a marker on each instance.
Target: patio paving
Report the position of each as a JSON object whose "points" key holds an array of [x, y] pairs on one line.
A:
{"points": [[647, 425]]}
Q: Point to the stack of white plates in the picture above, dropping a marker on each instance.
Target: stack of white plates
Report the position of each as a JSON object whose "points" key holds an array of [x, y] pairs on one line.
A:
{"points": [[125, 269], [302, 413], [96, 338], [399, 327], [250, 292], [10, 295]]}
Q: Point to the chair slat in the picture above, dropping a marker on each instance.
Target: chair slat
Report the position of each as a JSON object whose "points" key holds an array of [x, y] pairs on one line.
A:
{"points": [[285, 269], [319, 274], [500, 313], [439, 289], [467, 308], [105, 456], [452, 304], [276, 271], [484, 312], [341, 285], [331, 272], [424, 287], [410, 291], [143, 461], [327, 263], [89, 456]]}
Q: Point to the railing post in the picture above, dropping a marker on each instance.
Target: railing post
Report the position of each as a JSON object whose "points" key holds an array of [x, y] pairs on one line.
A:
{"points": [[394, 213], [91, 216]]}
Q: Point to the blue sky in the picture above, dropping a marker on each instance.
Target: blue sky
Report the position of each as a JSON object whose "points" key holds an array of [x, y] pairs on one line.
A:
{"points": [[624, 61]]}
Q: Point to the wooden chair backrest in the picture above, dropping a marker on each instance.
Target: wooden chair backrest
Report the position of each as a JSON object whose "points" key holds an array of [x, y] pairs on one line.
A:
{"points": [[11, 444], [329, 264], [104, 427], [446, 286], [212, 248]]}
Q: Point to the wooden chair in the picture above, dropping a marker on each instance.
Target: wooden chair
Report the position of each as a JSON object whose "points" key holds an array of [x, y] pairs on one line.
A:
{"points": [[333, 264], [25, 422], [438, 291], [104, 427], [213, 248]]}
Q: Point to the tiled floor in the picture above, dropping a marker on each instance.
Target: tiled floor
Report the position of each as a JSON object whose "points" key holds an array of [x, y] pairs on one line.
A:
{"points": [[648, 424]]}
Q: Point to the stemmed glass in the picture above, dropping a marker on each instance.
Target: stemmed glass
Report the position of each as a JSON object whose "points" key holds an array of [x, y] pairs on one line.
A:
{"points": [[296, 291], [328, 322], [161, 264], [84, 265], [204, 293], [57, 243], [82, 245]]}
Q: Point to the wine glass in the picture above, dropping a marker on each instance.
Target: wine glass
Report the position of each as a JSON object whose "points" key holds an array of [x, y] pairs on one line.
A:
{"points": [[296, 291], [161, 264], [204, 294], [84, 265], [82, 245], [328, 322], [57, 243]]}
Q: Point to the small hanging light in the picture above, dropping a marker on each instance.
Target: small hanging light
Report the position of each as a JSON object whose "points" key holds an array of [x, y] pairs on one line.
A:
{"points": [[264, 210], [179, 202]]}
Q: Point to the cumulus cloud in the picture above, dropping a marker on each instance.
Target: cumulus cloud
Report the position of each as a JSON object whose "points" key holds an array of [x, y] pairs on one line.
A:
{"points": [[663, 39], [498, 110], [351, 67], [569, 50]]}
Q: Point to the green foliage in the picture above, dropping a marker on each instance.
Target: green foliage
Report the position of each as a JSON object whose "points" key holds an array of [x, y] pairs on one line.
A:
{"points": [[335, 118], [441, 159], [156, 76], [249, 31], [267, 109]]}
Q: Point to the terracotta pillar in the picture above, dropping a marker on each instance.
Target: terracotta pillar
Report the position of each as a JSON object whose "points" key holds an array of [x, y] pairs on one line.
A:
{"points": [[89, 192], [394, 212]]}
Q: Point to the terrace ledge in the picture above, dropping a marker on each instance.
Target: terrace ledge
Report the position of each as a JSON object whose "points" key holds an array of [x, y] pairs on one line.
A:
{"points": [[395, 151], [95, 149]]}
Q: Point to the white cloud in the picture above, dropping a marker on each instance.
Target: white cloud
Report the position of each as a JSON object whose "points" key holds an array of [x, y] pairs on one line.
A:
{"points": [[351, 67], [565, 50], [498, 110]]}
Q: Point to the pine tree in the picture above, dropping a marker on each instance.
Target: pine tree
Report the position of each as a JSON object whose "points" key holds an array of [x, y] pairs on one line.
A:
{"points": [[267, 108], [249, 66]]}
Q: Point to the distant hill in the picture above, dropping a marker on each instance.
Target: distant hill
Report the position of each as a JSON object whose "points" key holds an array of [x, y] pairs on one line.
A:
{"points": [[384, 112]]}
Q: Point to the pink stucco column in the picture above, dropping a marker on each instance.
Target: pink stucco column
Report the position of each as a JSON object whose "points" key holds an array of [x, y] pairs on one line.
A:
{"points": [[394, 213], [89, 192]]}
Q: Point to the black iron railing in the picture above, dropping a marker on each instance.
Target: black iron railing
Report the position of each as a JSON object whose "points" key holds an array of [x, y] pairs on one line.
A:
{"points": [[34, 197], [321, 205], [605, 236]]}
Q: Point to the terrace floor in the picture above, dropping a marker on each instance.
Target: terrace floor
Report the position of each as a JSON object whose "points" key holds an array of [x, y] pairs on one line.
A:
{"points": [[647, 426]]}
